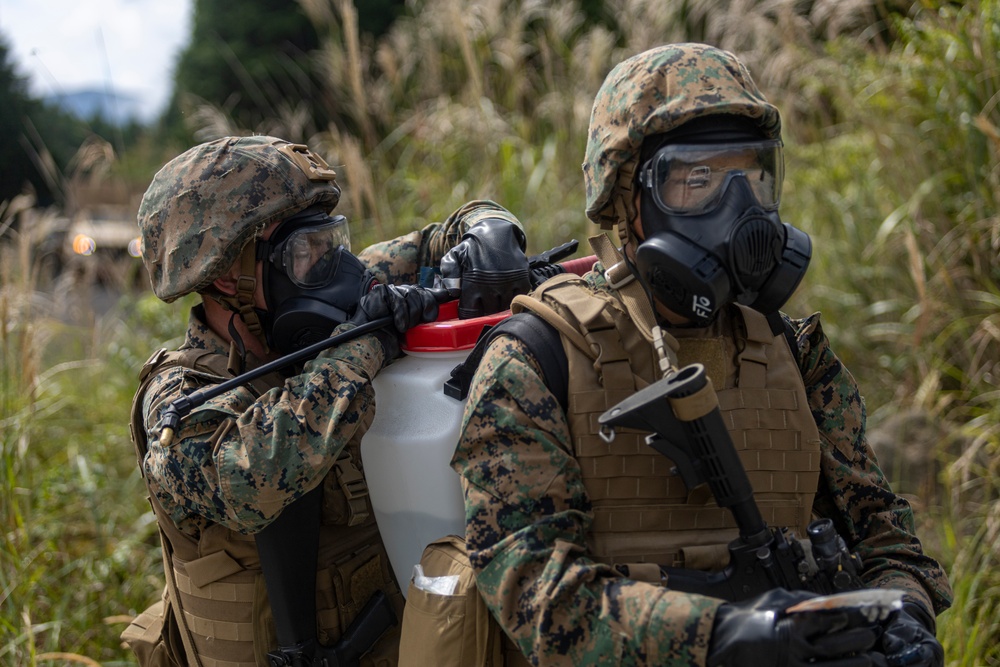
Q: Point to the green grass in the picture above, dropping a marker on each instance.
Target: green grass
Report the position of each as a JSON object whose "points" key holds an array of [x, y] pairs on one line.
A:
{"points": [[891, 152]]}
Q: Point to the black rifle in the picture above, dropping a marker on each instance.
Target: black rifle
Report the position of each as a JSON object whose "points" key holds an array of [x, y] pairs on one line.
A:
{"points": [[288, 553], [682, 411], [544, 265], [374, 618]]}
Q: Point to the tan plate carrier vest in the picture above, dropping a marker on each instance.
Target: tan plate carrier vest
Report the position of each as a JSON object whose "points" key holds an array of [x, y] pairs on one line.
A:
{"points": [[642, 511], [215, 586]]}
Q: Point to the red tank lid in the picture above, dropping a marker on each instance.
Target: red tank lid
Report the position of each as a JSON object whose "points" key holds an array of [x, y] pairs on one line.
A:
{"points": [[448, 333]]}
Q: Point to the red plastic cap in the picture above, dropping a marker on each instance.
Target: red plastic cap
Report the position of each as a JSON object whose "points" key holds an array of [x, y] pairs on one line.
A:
{"points": [[448, 333]]}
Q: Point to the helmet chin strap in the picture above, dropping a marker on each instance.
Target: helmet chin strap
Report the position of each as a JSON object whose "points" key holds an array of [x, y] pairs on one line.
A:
{"points": [[636, 300], [622, 277], [242, 305], [237, 350]]}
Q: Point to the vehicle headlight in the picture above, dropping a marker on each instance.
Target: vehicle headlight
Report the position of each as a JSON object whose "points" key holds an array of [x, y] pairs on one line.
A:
{"points": [[84, 245]]}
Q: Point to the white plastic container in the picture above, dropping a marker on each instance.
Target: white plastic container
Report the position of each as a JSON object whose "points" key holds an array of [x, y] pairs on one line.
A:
{"points": [[416, 495]]}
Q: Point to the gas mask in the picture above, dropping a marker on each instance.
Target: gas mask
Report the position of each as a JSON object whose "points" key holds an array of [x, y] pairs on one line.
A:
{"points": [[312, 282], [712, 231]]}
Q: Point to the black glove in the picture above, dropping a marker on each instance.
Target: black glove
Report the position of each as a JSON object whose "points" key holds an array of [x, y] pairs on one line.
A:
{"points": [[909, 640], [756, 633], [407, 305], [489, 266]]}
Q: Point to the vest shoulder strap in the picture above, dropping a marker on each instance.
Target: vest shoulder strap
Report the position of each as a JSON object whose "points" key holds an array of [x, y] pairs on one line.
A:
{"points": [[197, 360], [779, 325], [540, 338]]}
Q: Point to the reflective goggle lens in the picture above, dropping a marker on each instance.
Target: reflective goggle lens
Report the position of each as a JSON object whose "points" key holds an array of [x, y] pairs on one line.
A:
{"points": [[689, 179], [309, 255]]}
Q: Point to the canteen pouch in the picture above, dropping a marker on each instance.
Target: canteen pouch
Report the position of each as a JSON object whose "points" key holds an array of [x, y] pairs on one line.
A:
{"points": [[454, 630]]}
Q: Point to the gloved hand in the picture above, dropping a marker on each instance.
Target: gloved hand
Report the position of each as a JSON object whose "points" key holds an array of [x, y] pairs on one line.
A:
{"points": [[755, 633], [909, 640], [407, 305], [488, 266]]}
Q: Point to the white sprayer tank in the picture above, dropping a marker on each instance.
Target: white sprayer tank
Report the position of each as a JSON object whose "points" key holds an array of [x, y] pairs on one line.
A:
{"points": [[406, 453]]}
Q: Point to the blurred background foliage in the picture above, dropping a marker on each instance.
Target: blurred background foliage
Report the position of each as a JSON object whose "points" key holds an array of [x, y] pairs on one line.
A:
{"points": [[891, 132]]}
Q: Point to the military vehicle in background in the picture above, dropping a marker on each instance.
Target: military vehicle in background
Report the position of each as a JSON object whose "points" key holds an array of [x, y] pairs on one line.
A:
{"points": [[95, 242]]}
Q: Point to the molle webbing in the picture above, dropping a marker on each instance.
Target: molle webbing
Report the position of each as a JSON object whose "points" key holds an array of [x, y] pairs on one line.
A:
{"points": [[352, 486], [642, 511], [221, 606], [222, 615]]}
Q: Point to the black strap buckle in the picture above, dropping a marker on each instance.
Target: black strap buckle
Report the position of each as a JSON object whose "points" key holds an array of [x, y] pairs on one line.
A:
{"points": [[300, 655]]}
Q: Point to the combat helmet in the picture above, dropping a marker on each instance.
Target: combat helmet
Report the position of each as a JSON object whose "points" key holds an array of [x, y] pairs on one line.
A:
{"points": [[653, 93], [207, 204]]}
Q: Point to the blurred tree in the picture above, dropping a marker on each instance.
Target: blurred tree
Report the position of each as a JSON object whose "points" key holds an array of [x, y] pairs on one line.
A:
{"points": [[256, 64], [38, 139], [16, 168], [247, 60], [375, 17]]}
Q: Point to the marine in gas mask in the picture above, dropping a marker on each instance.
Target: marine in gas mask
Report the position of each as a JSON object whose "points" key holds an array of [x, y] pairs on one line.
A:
{"points": [[683, 161], [250, 225]]}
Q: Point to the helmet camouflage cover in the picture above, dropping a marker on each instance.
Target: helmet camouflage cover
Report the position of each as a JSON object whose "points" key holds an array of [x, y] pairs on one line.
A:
{"points": [[206, 204], [654, 92]]}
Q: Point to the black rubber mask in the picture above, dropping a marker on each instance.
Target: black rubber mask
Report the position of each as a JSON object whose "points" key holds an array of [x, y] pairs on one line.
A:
{"points": [[312, 282], [712, 231]]}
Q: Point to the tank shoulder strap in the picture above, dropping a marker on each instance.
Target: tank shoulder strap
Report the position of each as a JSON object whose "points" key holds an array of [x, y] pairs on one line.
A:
{"points": [[541, 339], [542, 328]]}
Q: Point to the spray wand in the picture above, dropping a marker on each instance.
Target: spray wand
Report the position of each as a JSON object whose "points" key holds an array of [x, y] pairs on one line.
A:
{"points": [[184, 405], [542, 265]]}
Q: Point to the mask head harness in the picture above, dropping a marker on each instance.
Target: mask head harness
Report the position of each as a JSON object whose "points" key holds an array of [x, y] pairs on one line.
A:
{"points": [[709, 195], [312, 282]]}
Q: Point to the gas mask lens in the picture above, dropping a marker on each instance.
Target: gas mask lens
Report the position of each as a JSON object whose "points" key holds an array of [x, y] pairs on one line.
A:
{"points": [[309, 253], [690, 179]]}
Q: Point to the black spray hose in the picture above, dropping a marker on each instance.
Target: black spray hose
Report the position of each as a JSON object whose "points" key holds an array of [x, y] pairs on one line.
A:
{"points": [[184, 405]]}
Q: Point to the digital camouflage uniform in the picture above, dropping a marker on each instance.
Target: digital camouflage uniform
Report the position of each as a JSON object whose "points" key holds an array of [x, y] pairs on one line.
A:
{"points": [[530, 521], [237, 460]]}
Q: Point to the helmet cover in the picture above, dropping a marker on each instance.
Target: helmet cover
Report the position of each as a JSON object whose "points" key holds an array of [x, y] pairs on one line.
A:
{"points": [[655, 92], [206, 204]]}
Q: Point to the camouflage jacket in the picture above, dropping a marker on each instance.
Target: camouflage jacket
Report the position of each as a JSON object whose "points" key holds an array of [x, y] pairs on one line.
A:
{"points": [[286, 440], [527, 515]]}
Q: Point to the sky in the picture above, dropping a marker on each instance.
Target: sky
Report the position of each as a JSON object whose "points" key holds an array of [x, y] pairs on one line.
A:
{"points": [[62, 46]]}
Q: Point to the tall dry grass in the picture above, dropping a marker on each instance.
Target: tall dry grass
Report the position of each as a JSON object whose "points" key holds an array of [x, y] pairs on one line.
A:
{"points": [[891, 120], [890, 126]]}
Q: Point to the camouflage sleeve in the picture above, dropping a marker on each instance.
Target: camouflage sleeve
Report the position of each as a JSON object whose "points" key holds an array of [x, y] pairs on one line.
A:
{"points": [[527, 514], [873, 520], [237, 460], [399, 260]]}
